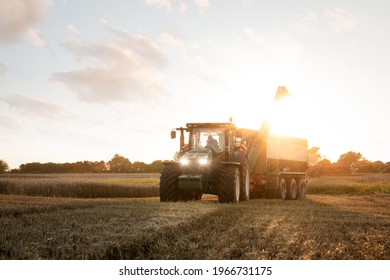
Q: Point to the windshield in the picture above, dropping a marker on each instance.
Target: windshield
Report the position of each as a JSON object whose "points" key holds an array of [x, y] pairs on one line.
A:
{"points": [[208, 137]]}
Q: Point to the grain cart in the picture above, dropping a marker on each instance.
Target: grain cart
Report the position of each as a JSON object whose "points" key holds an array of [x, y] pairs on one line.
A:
{"points": [[234, 164], [277, 165]]}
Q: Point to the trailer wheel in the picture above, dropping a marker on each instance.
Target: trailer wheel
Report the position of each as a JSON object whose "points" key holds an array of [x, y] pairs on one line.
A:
{"points": [[282, 188], [292, 189], [302, 188], [169, 181], [229, 184]]}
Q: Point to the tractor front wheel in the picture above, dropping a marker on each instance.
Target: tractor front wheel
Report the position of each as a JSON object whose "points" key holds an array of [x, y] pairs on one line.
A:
{"points": [[169, 181]]}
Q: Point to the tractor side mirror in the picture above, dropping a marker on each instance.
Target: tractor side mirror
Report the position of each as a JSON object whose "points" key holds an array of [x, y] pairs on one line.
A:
{"points": [[173, 134]]}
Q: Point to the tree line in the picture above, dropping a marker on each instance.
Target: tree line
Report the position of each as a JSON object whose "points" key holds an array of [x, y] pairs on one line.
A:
{"points": [[118, 164], [348, 163]]}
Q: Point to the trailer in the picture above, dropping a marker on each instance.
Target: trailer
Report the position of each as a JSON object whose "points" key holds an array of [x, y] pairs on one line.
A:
{"points": [[278, 166]]}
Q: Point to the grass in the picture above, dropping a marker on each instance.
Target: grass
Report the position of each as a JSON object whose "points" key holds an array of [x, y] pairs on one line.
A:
{"points": [[146, 185], [339, 185], [81, 185], [320, 227]]}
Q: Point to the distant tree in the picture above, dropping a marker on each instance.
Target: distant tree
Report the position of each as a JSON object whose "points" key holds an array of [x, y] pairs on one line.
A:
{"points": [[99, 167], [155, 166], [324, 163], [32, 167], [314, 156], [139, 167], [323, 167], [378, 166], [119, 164], [348, 158], [78, 167], [386, 169], [3, 166]]}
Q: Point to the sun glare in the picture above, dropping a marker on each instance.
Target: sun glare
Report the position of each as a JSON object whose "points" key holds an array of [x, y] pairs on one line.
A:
{"points": [[288, 117]]}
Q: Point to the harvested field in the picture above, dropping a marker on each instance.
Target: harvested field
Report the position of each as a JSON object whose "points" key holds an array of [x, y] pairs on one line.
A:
{"points": [[321, 227]]}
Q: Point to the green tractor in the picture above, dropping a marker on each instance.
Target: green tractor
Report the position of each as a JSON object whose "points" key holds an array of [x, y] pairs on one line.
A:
{"points": [[212, 162]]}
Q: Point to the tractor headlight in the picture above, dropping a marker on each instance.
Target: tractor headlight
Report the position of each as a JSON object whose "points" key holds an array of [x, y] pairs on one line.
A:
{"points": [[184, 161], [203, 160]]}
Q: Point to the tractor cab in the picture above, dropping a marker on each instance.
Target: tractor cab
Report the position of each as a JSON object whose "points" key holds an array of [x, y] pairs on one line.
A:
{"points": [[207, 138], [216, 138]]}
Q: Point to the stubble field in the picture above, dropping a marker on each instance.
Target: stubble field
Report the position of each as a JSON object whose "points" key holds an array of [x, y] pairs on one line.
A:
{"points": [[340, 224]]}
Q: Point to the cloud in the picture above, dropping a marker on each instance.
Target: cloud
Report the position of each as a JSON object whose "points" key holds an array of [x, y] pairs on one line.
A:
{"points": [[141, 47], [340, 19], [275, 48], [181, 4], [177, 41], [166, 4], [123, 68], [337, 18], [72, 29], [184, 47], [10, 123], [34, 37], [309, 16], [3, 69], [17, 19], [202, 3], [171, 40], [32, 106]]}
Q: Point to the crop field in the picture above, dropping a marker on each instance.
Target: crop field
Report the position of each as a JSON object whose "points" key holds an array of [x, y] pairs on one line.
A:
{"points": [[79, 217], [81, 185]]}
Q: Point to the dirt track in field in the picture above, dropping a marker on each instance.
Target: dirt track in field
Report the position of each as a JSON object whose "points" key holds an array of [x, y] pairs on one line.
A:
{"points": [[320, 227]]}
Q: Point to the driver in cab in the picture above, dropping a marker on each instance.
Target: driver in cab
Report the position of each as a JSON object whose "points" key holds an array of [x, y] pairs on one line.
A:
{"points": [[211, 142]]}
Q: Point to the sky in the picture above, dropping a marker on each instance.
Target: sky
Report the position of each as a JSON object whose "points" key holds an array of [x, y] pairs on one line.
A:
{"points": [[84, 80]]}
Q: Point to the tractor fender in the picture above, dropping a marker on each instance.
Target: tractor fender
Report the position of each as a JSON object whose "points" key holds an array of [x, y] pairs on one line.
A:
{"points": [[230, 163]]}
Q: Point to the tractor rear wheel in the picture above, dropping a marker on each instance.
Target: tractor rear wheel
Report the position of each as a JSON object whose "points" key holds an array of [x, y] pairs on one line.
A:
{"points": [[169, 182], [229, 184], [245, 186]]}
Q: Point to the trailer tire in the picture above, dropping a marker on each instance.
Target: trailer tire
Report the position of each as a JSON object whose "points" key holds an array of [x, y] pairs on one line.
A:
{"points": [[292, 189], [282, 188], [229, 184], [169, 183], [302, 188]]}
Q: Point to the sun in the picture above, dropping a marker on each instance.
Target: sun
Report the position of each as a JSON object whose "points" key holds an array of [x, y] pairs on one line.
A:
{"points": [[288, 117]]}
